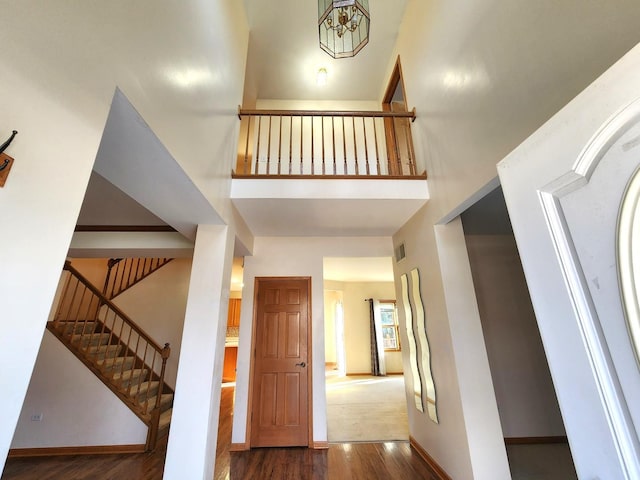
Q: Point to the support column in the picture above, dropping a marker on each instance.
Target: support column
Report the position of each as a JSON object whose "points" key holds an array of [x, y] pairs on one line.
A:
{"points": [[482, 421], [191, 452]]}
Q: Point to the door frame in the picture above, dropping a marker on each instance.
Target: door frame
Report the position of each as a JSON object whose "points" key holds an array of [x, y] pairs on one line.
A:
{"points": [[256, 290], [396, 80]]}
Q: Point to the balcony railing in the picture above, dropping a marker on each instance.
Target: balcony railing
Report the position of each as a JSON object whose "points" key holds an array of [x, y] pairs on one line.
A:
{"points": [[334, 144]]}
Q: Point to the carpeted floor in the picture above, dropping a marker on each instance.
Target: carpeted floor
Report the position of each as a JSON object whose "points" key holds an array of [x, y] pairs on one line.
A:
{"points": [[366, 409]]}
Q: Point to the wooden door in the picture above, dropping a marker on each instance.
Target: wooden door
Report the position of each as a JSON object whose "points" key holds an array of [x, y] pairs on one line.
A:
{"points": [[281, 371]]}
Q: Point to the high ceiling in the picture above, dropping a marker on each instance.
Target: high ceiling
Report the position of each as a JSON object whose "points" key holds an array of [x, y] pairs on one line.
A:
{"points": [[284, 53], [283, 59]]}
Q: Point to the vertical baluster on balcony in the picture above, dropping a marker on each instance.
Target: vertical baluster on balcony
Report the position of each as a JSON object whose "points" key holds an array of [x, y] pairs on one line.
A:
{"points": [[387, 150], [375, 139], [258, 145], [407, 136], [269, 147], [344, 146], [366, 150], [333, 145], [355, 145], [301, 125], [322, 132], [280, 145], [312, 149], [290, 141], [247, 168]]}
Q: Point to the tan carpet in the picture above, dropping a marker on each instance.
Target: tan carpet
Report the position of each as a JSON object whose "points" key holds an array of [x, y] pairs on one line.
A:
{"points": [[366, 409]]}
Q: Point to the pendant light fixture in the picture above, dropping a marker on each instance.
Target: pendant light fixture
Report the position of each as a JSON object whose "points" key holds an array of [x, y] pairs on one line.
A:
{"points": [[343, 26]]}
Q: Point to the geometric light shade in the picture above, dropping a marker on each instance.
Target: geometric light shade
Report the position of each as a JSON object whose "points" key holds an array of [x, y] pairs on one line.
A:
{"points": [[343, 26]]}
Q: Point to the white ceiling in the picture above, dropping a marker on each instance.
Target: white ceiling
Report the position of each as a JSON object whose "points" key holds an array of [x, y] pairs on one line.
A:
{"points": [[284, 53]]}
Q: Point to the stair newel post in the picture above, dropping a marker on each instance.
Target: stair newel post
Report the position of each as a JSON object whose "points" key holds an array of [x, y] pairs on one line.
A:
{"points": [[152, 435], [166, 351]]}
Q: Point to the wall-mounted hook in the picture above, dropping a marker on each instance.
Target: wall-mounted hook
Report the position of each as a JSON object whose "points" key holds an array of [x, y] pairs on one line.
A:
{"points": [[8, 142], [5, 160]]}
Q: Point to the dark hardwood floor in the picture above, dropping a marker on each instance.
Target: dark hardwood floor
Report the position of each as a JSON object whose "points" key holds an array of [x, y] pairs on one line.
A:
{"points": [[366, 461]]}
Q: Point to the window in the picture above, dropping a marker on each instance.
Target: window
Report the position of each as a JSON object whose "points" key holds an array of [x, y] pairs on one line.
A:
{"points": [[389, 321]]}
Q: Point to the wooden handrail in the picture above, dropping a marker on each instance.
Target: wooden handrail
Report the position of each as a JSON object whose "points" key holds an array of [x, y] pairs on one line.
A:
{"points": [[105, 301], [325, 113]]}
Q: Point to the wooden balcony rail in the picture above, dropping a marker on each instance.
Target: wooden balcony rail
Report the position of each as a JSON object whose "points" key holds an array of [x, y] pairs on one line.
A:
{"points": [[335, 144], [115, 346]]}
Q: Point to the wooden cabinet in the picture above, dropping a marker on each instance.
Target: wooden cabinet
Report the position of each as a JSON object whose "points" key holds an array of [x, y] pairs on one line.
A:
{"points": [[229, 368], [233, 319]]}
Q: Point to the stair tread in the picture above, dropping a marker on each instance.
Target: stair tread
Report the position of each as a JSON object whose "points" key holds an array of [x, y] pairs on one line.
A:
{"points": [[91, 338], [66, 326], [126, 374], [166, 400], [102, 348], [144, 387], [110, 362]]}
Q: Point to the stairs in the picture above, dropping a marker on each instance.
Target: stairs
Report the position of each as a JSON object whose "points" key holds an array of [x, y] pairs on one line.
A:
{"points": [[117, 351]]}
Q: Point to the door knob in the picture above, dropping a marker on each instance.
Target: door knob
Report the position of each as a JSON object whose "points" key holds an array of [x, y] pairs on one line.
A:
{"points": [[301, 364]]}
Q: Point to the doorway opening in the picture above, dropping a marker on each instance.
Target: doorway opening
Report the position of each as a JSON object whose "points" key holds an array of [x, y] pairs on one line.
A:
{"points": [[531, 421], [397, 130], [362, 407]]}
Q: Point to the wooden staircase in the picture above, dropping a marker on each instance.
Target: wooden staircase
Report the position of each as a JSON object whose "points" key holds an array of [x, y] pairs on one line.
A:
{"points": [[116, 350]]}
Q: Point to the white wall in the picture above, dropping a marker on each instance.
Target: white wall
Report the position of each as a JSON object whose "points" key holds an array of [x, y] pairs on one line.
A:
{"points": [[482, 77], [357, 329], [521, 378], [39, 208], [356, 324], [295, 256], [331, 299], [58, 81]]}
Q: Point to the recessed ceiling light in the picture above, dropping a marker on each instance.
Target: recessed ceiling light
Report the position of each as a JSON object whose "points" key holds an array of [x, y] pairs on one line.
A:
{"points": [[321, 78]]}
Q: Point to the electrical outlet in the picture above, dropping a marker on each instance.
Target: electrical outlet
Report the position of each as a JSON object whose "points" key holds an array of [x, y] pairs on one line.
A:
{"points": [[36, 417]]}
